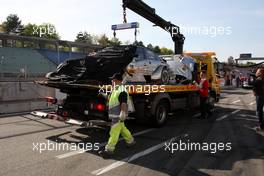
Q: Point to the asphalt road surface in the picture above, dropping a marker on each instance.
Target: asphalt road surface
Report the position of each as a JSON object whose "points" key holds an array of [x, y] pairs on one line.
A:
{"points": [[226, 144]]}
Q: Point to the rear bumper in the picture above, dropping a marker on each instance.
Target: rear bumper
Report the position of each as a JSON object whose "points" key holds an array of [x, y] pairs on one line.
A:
{"points": [[88, 117], [72, 121], [90, 123]]}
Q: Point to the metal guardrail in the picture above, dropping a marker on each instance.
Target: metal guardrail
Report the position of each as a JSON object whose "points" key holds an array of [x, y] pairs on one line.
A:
{"points": [[18, 77]]}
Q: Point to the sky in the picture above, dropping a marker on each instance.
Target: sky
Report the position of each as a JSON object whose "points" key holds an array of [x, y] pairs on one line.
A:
{"points": [[228, 27]]}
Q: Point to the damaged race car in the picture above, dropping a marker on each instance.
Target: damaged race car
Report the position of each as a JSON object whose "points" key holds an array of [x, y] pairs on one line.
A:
{"points": [[140, 64], [183, 68], [148, 67], [95, 68]]}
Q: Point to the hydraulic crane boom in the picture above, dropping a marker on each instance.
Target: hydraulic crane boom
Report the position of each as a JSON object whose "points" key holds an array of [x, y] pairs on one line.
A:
{"points": [[141, 8]]}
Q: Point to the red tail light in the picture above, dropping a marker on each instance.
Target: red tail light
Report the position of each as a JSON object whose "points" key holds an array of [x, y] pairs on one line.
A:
{"points": [[51, 100], [100, 107], [65, 114], [97, 106]]}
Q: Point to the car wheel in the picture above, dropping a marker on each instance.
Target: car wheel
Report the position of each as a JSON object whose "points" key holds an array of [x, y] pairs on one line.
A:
{"points": [[165, 77], [161, 114]]}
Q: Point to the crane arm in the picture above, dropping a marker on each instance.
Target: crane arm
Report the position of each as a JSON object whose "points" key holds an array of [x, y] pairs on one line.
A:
{"points": [[147, 12]]}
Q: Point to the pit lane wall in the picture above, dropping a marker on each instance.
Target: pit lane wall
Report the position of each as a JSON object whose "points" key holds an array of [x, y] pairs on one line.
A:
{"points": [[19, 67], [23, 96]]}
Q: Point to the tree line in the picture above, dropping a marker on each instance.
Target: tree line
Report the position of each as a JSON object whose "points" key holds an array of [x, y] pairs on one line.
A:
{"points": [[13, 25]]}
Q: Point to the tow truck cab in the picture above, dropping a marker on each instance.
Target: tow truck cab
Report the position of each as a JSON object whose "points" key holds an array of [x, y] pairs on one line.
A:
{"points": [[208, 62]]}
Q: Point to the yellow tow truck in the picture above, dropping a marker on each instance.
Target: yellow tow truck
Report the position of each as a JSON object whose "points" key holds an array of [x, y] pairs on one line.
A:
{"points": [[147, 103]]}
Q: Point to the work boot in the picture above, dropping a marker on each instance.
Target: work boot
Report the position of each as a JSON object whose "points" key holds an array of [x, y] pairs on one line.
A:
{"points": [[203, 116], [132, 144], [260, 129], [105, 154]]}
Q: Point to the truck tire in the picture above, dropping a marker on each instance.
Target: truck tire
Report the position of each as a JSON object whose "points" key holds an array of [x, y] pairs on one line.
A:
{"points": [[161, 114], [211, 105], [217, 98]]}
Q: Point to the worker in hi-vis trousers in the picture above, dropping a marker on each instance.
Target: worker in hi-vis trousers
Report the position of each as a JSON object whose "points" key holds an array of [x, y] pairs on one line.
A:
{"points": [[117, 110]]}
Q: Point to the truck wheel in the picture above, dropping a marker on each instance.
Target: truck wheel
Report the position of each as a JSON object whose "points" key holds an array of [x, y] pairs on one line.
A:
{"points": [[165, 77], [217, 98], [211, 105], [161, 114]]}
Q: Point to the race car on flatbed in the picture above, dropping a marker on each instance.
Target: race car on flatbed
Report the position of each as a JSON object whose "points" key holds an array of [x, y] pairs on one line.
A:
{"points": [[150, 101]]}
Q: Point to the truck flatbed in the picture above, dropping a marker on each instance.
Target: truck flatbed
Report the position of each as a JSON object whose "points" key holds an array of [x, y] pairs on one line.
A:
{"points": [[131, 88]]}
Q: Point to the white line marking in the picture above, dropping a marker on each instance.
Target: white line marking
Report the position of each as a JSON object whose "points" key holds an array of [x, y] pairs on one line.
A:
{"points": [[243, 115], [69, 154], [252, 103], [134, 157], [234, 112], [247, 115], [236, 101], [254, 120], [196, 115], [221, 118], [227, 115]]}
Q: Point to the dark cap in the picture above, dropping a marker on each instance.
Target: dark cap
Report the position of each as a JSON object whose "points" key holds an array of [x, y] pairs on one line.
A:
{"points": [[117, 76]]}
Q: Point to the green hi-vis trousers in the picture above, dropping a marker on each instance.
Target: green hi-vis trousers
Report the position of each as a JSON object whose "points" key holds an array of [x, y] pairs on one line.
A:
{"points": [[115, 131]]}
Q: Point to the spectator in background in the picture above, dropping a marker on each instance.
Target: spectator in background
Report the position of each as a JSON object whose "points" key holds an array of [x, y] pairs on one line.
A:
{"points": [[238, 81], [227, 79], [258, 90], [233, 79], [241, 79]]}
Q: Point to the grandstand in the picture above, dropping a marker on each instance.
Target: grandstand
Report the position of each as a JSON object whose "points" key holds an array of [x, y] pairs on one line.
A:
{"points": [[24, 59], [22, 56], [56, 57], [23, 62]]}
